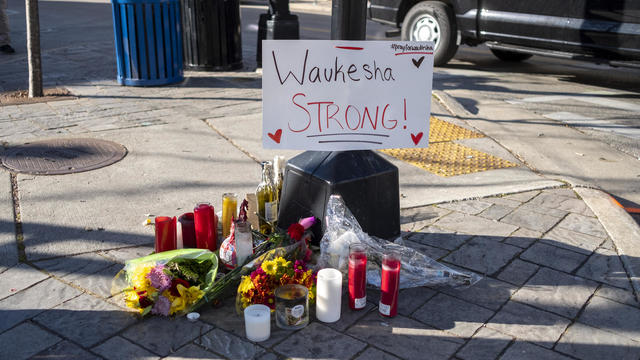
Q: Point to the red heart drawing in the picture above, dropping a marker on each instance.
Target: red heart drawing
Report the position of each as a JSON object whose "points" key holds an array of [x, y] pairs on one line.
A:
{"points": [[276, 137], [416, 138]]}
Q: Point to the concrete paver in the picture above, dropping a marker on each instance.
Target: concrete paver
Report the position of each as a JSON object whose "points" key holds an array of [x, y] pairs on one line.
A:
{"points": [[556, 292], [28, 303], [486, 344], [456, 316], [228, 345], [529, 324], [119, 348], [404, 337], [104, 319], [26, 340]]}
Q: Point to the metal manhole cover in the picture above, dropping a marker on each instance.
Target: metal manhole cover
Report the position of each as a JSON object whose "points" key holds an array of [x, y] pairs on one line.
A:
{"points": [[62, 156]]}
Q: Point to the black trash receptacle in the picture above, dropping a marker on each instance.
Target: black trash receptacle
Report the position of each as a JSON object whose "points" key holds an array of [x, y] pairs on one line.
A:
{"points": [[212, 34], [148, 40]]}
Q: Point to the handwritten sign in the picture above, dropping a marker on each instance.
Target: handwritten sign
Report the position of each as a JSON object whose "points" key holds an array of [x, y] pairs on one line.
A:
{"points": [[346, 95]]}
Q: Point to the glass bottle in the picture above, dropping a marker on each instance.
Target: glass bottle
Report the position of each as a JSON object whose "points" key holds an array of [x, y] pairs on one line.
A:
{"points": [[278, 175], [267, 199]]}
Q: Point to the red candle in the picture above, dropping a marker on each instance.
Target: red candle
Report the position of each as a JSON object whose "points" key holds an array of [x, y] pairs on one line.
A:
{"points": [[165, 233], [188, 230], [390, 284], [204, 219], [357, 276]]}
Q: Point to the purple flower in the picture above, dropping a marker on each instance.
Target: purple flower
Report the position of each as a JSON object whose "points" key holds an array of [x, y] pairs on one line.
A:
{"points": [[158, 278], [307, 222], [162, 306]]}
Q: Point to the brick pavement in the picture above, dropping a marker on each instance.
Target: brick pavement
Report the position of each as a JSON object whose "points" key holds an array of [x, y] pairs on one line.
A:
{"points": [[554, 292]]}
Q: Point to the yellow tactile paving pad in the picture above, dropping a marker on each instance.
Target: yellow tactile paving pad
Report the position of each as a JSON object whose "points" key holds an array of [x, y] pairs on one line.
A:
{"points": [[446, 158], [443, 131]]}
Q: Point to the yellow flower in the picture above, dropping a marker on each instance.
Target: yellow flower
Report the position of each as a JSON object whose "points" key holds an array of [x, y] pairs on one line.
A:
{"points": [[131, 298], [270, 267], [245, 285], [187, 297], [138, 277], [282, 262]]}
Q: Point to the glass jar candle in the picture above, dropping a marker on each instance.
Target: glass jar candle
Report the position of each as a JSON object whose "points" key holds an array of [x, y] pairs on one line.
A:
{"points": [[204, 219], [292, 306], [390, 284], [229, 212], [357, 276], [165, 233], [244, 241]]}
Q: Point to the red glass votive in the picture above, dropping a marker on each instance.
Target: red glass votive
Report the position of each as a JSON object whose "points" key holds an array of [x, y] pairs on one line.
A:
{"points": [[165, 233], [390, 284], [187, 230], [357, 276], [206, 226]]}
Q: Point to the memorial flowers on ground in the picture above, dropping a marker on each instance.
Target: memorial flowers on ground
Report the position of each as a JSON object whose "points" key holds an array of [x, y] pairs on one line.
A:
{"points": [[167, 283], [260, 285]]}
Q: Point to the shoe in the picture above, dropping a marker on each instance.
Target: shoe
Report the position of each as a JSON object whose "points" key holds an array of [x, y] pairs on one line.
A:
{"points": [[7, 49]]}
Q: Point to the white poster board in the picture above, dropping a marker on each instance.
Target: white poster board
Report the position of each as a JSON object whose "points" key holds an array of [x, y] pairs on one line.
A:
{"points": [[346, 95]]}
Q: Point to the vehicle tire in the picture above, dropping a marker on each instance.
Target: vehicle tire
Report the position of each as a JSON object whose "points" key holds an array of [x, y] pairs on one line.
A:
{"points": [[432, 21], [511, 56]]}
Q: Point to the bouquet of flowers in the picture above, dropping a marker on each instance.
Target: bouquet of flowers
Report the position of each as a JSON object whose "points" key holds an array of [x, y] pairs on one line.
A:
{"points": [[167, 283], [277, 268]]}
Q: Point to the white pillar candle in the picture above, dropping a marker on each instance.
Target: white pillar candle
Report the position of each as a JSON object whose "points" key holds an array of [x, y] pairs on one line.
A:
{"points": [[328, 295], [257, 322]]}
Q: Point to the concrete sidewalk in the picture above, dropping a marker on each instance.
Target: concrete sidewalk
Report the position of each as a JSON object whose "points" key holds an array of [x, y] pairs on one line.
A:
{"points": [[559, 263]]}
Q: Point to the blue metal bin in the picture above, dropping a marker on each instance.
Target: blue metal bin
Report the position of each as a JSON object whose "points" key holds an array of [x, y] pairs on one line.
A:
{"points": [[148, 40]]}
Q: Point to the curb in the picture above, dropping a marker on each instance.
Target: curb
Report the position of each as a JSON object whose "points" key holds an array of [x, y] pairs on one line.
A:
{"points": [[619, 225], [622, 229]]}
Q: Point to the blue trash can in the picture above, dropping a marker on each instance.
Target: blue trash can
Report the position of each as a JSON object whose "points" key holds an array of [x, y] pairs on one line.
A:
{"points": [[148, 39]]}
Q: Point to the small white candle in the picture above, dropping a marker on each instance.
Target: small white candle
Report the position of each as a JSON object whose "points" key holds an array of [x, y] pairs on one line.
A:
{"points": [[257, 322], [328, 295]]}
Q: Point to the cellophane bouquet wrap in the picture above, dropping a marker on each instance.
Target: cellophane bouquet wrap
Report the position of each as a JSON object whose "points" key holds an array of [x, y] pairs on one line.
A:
{"points": [[168, 283], [275, 268], [342, 229]]}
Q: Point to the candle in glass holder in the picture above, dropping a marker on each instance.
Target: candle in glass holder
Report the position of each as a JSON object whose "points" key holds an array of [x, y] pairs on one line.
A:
{"points": [[328, 295], [292, 306], [186, 231], [244, 241], [229, 207], [165, 233], [357, 276], [390, 284], [257, 322], [206, 226]]}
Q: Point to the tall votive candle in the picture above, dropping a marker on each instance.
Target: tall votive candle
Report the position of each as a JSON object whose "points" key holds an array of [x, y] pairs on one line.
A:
{"points": [[390, 284], [357, 276], [328, 295], [206, 227], [229, 207]]}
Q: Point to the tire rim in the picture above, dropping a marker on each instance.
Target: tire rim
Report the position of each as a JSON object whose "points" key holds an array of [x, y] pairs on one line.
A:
{"points": [[426, 28]]}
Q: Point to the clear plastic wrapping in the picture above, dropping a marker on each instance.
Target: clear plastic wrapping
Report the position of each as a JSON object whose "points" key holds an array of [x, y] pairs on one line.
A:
{"points": [[342, 229]]}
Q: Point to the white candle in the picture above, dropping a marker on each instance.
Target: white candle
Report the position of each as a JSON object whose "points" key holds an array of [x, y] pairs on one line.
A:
{"points": [[257, 322], [328, 295]]}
